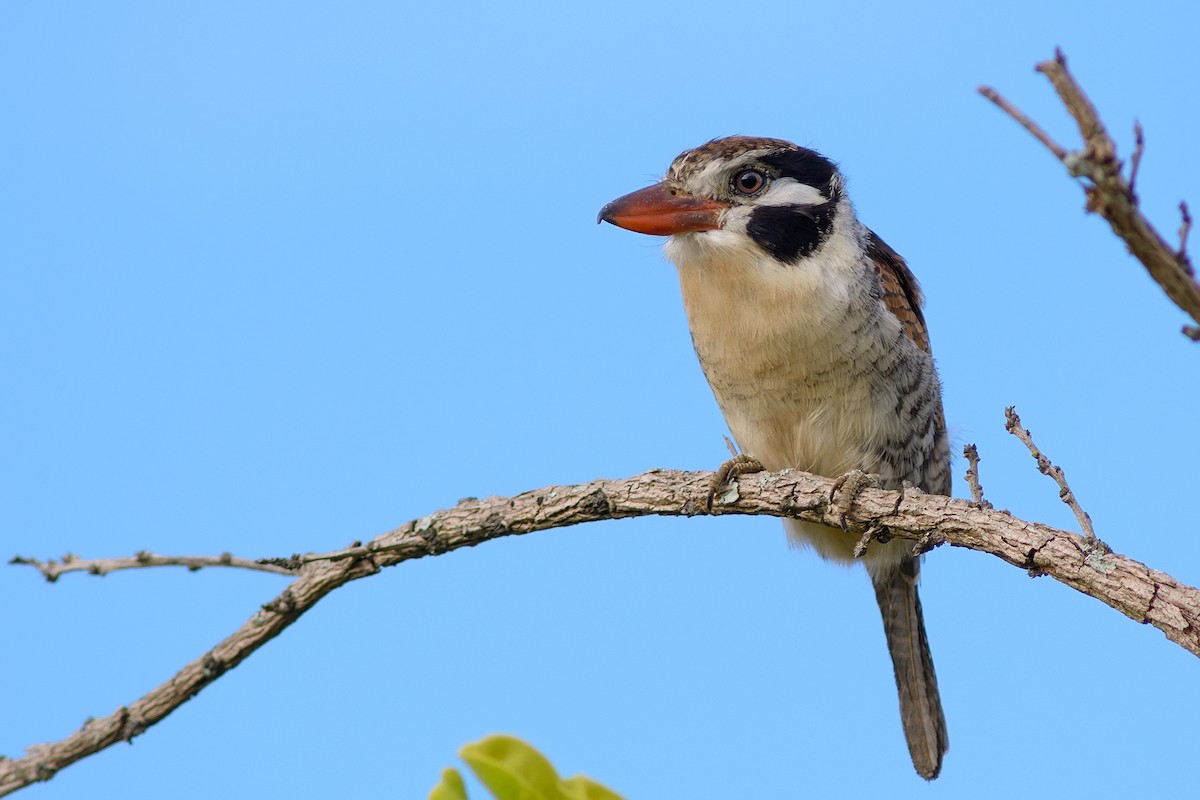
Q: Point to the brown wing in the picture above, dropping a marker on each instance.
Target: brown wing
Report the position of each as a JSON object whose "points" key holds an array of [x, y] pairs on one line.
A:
{"points": [[901, 293], [902, 296]]}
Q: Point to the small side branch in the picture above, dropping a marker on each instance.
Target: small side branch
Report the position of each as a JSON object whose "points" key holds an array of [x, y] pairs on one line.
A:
{"points": [[1012, 423], [1028, 124], [971, 453], [1139, 149], [51, 570], [1185, 227], [1108, 193]]}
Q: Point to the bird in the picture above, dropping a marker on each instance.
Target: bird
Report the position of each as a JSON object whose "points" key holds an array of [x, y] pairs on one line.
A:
{"points": [[810, 331]]}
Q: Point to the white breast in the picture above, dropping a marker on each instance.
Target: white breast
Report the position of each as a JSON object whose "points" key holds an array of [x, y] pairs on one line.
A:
{"points": [[789, 350], [793, 354]]}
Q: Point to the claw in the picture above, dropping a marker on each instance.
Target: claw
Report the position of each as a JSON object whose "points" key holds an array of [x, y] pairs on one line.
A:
{"points": [[740, 464]]}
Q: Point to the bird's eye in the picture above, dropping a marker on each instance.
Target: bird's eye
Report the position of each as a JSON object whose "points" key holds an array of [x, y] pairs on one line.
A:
{"points": [[749, 181]]}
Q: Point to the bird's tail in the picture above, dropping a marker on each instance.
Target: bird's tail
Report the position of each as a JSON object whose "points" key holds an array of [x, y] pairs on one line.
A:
{"points": [[920, 705]]}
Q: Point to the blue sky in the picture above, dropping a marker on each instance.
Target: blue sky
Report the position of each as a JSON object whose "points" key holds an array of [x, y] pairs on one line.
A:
{"points": [[278, 276]]}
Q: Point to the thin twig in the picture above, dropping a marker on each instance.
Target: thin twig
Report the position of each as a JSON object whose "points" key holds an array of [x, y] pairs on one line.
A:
{"points": [[1185, 227], [1012, 423], [1099, 146], [972, 455], [1107, 191], [51, 569], [1139, 147], [1054, 147]]}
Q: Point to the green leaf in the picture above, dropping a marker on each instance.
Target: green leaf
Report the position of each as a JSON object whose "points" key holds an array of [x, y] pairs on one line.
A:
{"points": [[513, 770], [451, 786], [584, 788]]}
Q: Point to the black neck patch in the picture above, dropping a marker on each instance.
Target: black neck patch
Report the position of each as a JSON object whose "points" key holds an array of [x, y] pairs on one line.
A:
{"points": [[793, 232]]}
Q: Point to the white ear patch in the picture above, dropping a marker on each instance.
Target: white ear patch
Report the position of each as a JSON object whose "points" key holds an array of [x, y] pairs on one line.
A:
{"points": [[790, 192]]}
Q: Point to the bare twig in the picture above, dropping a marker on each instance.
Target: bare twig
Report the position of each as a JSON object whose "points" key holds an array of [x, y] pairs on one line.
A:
{"points": [[1026, 122], [729, 445], [1012, 423], [1185, 227], [1099, 146], [972, 455], [1139, 148], [51, 569], [1108, 193]]}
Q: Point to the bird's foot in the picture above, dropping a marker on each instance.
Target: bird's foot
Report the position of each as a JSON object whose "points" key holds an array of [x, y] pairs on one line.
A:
{"points": [[724, 477], [846, 488], [877, 532]]}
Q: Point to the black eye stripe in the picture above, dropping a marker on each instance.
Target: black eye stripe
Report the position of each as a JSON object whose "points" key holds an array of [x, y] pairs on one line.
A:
{"points": [[806, 166]]}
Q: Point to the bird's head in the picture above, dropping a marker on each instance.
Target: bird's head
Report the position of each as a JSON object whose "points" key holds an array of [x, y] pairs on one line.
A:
{"points": [[740, 191]]}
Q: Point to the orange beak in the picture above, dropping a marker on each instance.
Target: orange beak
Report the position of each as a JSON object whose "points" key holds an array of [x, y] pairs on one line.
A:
{"points": [[660, 211]]}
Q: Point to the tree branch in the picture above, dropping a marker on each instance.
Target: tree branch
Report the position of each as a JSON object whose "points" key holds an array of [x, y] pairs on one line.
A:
{"points": [[1142, 594], [1108, 193], [51, 569]]}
